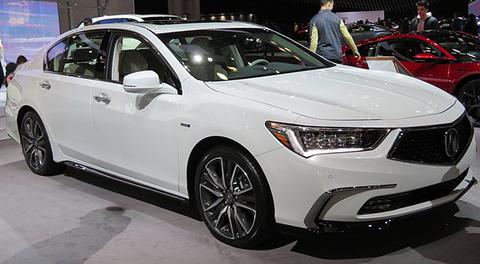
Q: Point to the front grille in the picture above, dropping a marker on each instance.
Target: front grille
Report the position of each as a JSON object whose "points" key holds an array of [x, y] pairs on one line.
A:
{"points": [[428, 145], [395, 201]]}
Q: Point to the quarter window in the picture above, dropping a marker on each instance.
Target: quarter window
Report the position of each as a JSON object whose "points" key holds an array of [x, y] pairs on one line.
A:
{"points": [[55, 57]]}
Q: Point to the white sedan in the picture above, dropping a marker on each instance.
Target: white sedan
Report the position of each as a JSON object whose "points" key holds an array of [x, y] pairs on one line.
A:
{"points": [[252, 127]]}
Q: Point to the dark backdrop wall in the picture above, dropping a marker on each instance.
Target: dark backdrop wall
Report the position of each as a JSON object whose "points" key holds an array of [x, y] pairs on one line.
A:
{"points": [[302, 10], [151, 7]]}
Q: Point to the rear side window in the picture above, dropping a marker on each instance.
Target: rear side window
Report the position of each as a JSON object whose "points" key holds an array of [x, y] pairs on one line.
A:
{"points": [[56, 56], [84, 57]]}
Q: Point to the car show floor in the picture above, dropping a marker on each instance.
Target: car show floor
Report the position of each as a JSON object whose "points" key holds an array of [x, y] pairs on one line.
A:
{"points": [[82, 218]]}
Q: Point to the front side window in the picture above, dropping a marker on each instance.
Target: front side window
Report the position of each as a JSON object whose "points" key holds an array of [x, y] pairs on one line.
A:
{"points": [[406, 49], [132, 54], [84, 56], [224, 54]]}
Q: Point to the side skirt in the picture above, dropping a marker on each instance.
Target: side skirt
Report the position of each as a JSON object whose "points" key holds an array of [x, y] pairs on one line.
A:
{"points": [[128, 182]]}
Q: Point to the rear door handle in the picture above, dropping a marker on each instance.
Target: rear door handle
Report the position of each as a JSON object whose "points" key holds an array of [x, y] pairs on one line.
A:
{"points": [[102, 98], [45, 85]]}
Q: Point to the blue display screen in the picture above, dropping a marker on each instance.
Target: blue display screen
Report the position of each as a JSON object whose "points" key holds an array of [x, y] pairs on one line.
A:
{"points": [[26, 26]]}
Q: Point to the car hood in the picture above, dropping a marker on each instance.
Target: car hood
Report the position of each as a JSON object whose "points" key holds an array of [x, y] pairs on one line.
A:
{"points": [[342, 93]]}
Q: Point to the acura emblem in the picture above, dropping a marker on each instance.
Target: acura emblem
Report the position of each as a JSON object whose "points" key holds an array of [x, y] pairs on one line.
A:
{"points": [[452, 142]]}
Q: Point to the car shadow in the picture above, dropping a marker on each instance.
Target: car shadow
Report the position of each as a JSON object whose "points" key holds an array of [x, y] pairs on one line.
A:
{"points": [[181, 207], [442, 227], [77, 245]]}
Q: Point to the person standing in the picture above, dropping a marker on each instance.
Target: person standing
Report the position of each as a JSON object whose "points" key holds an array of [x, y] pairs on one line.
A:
{"points": [[326, 32], [457, 23], [9, 73], [424, 20], [472, 25]]}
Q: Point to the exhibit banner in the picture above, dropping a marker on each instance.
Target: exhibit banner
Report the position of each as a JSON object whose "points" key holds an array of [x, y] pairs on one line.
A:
{"points": [[352, 17], [26, 26]]}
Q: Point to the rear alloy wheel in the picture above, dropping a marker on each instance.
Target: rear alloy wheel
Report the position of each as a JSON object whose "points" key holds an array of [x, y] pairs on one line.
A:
{"points": [[36, 146], [233, 198]]}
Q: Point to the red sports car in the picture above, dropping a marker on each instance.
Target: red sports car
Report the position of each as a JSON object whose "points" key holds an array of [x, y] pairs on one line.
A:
{"points": [[446, 59]]}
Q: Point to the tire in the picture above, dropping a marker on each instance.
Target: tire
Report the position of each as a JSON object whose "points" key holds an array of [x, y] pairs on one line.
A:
{"points": [[242, 214], [36, 146], [469, 94]]}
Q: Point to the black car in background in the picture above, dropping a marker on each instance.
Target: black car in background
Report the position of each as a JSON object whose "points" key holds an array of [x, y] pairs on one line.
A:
{"points": [[367, 31]]}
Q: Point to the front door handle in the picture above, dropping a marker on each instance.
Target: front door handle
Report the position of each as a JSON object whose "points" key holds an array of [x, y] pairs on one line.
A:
{"points": [[102, 98], [45, 85]]}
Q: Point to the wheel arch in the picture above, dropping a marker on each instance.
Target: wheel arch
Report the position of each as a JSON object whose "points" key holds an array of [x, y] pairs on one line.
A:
{"points": [[23, 110], [201, 148]]}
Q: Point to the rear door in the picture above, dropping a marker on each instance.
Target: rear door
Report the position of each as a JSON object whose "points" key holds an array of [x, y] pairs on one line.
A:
{"points": [[74, 66]]}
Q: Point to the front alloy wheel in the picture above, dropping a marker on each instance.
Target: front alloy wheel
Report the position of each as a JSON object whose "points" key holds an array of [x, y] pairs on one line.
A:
{"points": [[233, 197], [227, 198]]}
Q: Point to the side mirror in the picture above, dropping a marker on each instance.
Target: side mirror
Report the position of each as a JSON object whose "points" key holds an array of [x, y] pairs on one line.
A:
{"points": [[144, 82], [430, 57]]}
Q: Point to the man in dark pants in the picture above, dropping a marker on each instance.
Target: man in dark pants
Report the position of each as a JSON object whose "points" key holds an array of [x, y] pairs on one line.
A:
{"points": [[326, 32], [424, 20]]}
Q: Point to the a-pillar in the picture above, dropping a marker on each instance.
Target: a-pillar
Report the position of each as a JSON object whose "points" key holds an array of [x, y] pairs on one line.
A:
{"points": [[188, 8]]}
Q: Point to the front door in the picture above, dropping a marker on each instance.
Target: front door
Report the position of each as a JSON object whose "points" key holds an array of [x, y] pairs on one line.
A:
{"points": [[137, 141]]}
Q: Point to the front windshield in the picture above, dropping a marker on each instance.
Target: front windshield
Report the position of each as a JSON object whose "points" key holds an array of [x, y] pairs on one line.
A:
{"points": [[465, 48], [230, 54]]}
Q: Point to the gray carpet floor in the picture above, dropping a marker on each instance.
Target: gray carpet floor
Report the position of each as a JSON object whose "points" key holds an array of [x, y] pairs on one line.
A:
{"points": [[82, 218]]}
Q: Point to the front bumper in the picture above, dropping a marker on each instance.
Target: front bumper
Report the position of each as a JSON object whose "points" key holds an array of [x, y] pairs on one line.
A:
{"points": [[333, 188], [321, 226]]}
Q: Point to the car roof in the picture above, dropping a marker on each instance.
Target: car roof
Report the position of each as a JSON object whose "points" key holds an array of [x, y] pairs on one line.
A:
{"points": [[429, 33], [133, 16], [370, 25], [170, 26], [394, 36], [363, 25], [424, 36], [175, 26], [417, 36]]}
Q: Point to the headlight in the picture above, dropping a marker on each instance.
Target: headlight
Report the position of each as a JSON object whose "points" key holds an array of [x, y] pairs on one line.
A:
{"points": [[311, 141]]}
